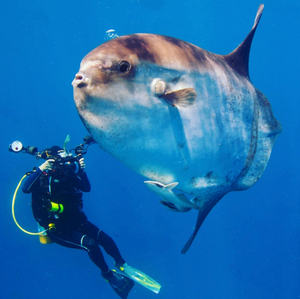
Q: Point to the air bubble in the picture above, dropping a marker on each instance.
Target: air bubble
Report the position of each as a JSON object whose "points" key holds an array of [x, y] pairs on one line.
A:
{"points": [[110, 34]]}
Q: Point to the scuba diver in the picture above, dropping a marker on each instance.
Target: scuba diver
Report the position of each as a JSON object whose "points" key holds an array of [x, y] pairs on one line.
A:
{"points": [[57, 203], [56, 188]]}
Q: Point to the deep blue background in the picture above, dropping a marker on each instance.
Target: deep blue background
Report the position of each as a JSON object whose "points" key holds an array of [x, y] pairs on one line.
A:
{"points": [[248, 246]]}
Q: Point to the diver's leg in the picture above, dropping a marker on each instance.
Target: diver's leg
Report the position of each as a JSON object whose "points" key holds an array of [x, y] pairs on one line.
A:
{"points": [[110, 247], [78, 240], [103, 240]]}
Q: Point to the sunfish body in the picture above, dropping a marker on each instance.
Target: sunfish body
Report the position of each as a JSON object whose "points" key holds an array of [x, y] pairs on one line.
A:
{"points": [[174, 112]]}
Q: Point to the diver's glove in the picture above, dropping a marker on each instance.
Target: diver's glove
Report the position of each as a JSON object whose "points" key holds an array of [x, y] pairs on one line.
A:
{"points": [[81, 164], [47, 165]]}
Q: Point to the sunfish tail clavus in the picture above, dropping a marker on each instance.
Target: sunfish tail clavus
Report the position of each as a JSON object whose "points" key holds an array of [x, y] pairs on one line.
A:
{"points": [[179, 115]]}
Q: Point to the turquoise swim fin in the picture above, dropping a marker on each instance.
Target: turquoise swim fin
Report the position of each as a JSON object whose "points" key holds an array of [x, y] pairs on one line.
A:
{"points": [[140, 277]]}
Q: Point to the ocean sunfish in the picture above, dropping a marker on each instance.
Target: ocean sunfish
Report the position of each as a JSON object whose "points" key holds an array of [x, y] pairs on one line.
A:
{"points": [[174, 112]]}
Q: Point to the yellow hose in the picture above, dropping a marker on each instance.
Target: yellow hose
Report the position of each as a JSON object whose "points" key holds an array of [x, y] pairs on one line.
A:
{"points": [[13, 211]]}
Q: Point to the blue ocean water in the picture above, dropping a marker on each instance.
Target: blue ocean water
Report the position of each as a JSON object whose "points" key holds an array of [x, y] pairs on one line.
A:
{"points": [[248, 247]]}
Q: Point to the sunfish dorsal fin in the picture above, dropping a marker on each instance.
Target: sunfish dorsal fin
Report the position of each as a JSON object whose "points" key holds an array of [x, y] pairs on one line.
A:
{"points": [[239, 58]]}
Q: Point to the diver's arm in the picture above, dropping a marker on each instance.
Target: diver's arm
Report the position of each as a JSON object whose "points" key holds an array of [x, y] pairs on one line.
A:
{"points": [[46, 166], [83, 182], [29, 182]]}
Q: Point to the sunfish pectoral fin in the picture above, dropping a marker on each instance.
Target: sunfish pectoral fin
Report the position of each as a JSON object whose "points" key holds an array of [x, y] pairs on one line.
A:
{"points": [[205, 208], [182, 98]]}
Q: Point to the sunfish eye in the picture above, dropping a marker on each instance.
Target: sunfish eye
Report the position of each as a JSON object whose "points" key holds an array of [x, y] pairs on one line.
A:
{"points": [[124, 66]]}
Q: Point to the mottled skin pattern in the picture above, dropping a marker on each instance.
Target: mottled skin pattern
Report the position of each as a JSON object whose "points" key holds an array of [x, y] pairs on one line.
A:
{"points": [[215, 143]]}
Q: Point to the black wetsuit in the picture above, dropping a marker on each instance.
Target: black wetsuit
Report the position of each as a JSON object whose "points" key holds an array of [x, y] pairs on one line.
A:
{"points": [[72, 227]]}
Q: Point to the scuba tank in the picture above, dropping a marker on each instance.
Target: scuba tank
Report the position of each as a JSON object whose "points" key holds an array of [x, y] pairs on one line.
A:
{"points": [[43, 237]]}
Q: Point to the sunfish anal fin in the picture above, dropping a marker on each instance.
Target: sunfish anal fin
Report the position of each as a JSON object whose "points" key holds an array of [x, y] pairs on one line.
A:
{"points": [[204, 209]]}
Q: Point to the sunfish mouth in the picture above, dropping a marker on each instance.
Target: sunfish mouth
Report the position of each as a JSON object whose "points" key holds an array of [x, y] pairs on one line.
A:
{"points": [[81, 87], [81, 80]]}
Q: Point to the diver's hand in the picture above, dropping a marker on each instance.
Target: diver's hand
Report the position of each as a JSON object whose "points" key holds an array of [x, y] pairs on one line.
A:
{"points": [[48, 165], [81, 164]]}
